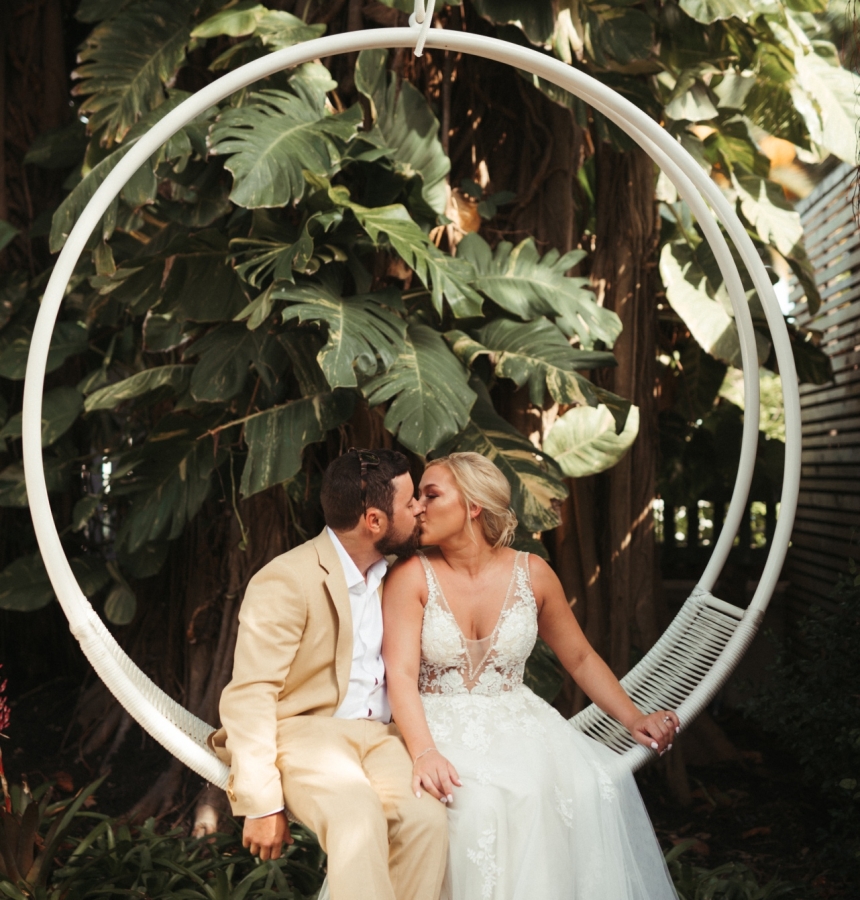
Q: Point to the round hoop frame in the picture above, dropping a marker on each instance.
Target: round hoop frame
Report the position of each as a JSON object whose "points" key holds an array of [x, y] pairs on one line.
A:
{"points": [[691, 183]]}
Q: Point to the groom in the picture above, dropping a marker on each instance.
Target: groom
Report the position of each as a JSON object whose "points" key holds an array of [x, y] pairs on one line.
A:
{"points": [[305, 717]]}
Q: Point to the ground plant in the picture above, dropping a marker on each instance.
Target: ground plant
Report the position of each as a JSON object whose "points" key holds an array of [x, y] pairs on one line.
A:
{"points": [[78, 854], [810, 703]]}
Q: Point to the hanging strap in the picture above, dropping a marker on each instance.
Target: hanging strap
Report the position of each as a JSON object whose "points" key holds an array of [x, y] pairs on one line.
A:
{"points": [[422, 19]]}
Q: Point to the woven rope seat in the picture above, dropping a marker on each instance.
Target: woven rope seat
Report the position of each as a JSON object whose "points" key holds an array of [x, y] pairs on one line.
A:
{"points": [[704, 643]]}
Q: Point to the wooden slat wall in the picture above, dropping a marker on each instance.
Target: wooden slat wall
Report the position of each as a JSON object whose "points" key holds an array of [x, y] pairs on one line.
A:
{"points": [[829, 510]]}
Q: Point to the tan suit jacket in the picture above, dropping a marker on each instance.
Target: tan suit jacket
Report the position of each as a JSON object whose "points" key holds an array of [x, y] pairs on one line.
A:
{"points": [[293, 658]]}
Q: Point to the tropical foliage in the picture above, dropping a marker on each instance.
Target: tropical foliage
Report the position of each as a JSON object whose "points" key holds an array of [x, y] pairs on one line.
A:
{"points": [[230, 320], [266, 274], [59, 848], [303, 266], [63, 849]]}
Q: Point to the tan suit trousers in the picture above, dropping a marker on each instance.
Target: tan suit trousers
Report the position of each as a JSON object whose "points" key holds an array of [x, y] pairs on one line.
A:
{"points": [[350, 781]]}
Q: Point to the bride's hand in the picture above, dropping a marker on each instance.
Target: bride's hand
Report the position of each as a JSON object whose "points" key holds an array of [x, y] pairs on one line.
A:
{"points": [[436, 775], [657, 730]]}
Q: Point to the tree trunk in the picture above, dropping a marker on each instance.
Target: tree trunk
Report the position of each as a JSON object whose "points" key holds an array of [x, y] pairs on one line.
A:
{"points": [[624, 274], [604, 550]]}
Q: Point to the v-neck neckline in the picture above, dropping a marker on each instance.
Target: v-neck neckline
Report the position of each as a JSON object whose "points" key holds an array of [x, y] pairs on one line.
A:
{"points": [[450, 611]]}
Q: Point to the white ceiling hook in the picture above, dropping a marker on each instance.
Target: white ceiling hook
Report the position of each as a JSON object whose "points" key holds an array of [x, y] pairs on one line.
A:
{"points": [[422, 18]]}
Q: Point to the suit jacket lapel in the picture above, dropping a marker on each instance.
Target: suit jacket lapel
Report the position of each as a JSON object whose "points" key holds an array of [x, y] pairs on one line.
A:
{"points": [[335, 583]]}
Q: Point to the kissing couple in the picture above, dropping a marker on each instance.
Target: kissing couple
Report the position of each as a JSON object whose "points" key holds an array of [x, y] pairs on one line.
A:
{"points": [[386, 710]]}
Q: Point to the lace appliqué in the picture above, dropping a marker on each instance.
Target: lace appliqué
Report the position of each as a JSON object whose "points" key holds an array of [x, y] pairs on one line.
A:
{"points": [[485, 859], [487, 775], [451, 664], [564, 807], [608, 790], [474, 721]]}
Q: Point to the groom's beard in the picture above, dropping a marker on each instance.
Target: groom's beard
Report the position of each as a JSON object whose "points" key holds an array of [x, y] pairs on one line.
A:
{"points": [[396, 545]]}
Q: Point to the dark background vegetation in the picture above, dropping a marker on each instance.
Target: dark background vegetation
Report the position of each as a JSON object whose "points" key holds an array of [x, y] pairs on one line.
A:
{"points": [[772, 786]]}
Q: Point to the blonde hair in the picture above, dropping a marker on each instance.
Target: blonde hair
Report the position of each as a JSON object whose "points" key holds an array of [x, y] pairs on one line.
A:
{"points": [[480, 483]]}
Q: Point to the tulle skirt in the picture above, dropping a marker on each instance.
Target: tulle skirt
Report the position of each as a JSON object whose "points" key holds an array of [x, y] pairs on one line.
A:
{"points": [[544, 812]]}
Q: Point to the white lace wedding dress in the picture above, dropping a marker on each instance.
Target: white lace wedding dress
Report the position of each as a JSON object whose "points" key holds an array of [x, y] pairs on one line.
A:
{"points": [[544, 813]]}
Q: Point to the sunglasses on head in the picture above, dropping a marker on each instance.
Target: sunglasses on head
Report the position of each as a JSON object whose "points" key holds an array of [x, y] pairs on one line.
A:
{"points": [[367, 460]]}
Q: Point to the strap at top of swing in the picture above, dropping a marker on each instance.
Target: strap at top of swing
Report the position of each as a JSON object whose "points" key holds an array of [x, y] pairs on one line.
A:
{"points": [[422, 18]]}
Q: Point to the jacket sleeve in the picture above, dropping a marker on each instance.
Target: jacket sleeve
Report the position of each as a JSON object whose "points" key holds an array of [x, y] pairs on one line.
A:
{"points": [[271, 623]]}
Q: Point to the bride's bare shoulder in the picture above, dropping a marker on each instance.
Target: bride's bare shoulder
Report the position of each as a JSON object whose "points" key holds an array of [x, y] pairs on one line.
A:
{"points": [[406, 572]]}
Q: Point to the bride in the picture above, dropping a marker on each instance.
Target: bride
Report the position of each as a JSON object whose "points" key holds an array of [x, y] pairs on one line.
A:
{"points": [[535, 808]]}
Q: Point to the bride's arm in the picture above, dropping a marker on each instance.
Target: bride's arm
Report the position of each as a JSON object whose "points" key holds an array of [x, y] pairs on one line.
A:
{"points": [[558, 627], [402, 615]]}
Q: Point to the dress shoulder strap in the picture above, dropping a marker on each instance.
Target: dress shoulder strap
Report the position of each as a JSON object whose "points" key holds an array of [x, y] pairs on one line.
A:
{"points": [[429, 574]]}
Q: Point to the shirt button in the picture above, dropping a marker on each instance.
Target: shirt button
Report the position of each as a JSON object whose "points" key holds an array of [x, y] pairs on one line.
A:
{"points": [[369, 713], [376, 681]]}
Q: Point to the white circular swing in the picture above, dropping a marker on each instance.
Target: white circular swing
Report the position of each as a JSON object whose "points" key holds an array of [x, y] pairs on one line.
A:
{"points": [[704, 643]]}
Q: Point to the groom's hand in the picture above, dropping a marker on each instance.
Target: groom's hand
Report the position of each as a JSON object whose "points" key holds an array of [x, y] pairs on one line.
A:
{"points": [[265, 836]]}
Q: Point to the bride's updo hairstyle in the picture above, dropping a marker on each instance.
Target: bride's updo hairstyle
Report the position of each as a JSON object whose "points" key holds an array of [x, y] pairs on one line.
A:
{"points": [[481, 484]]}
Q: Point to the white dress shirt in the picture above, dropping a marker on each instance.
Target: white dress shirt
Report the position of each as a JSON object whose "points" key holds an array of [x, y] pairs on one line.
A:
{"points": [[366, 697]]}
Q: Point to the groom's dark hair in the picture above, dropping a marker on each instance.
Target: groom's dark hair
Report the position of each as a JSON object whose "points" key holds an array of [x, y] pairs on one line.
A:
{"points": [[341, 494]]}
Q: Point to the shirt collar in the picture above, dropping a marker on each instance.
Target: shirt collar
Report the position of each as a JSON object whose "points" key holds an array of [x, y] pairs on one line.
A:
{"points": [[350, 569]]}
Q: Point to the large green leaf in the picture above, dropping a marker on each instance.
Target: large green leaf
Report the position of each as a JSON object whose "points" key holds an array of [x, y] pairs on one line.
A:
{"points": [[446, 276], [764, 205], [8, 233], [584, 442], [801, 267], [59, 148], [275, 28], [536, 353], [170, 478], [275, 252], [24, 584], [404, 125], [201, 285], [13, 488], [617, 35], [128, 60], [832, 122], [709, 11], [732, 145], [60, 407], [430, 394], [822, 92], [523, 283], [68, 339], [274, 138], [120, 604], [537, 484], [694, 105], [363, 332], [143, 185], [176, 377], [536, 18], [96, 10], [226, 354], [709, 323], [277, 437], [13, 293]]}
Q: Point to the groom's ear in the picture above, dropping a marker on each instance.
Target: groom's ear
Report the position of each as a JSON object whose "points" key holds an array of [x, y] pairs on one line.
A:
{"points": [[375, 520]]}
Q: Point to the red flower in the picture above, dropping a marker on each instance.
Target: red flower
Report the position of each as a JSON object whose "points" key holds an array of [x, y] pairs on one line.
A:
{"points": [[4, 724], [4, 705]]}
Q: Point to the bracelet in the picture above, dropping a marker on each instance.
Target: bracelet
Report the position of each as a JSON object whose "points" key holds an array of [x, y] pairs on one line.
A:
{"points": [[422, 753]]}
